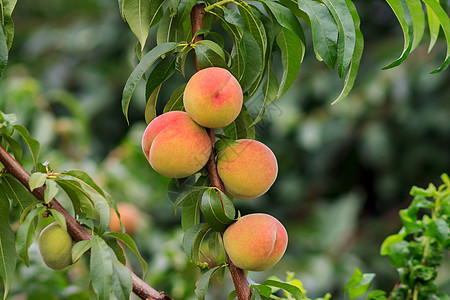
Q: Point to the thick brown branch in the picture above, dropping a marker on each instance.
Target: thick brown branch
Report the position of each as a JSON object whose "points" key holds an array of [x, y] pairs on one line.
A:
{"points": [[78, 233], [238, 275]]}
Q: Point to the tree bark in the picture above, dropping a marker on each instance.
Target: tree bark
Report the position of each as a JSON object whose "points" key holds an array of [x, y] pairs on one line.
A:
{"points": [[238, 275], [78, 233]]}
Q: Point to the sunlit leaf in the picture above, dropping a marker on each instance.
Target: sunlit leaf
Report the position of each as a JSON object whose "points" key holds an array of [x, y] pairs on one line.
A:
{"points": [[101, 268], [138, 14], [32, 143], [122, 282], [358, 284], [418, 20], [25, 233], [79, 249], [433, 25], [16, 192], [202, 284], [209, 54]]}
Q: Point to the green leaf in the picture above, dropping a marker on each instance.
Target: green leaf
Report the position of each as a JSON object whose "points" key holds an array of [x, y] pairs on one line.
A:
{"points": [[79, 249], [399, 254], [358, 284], [404, 19], [139, 71], [224, 143], [37, 179], [122, 282], [346, 36], [377, 295], [85, 179], [156, 11], [293, 290], [389, 242], [25, 233], [201, 286], [3, 51], [162, 71], [7, 22], [15, 147], [59, 218], [7, 250], [270, 90], [438, 229], [176, 100], [138, 14], [192, 240], [433, 25], [418, 20], [190, 211], [82, 205], [209, 54], [324, 30], [129, 242], [166, 29], [242, 127], [217, 209], [445, 23], [255, 295], [101, 268], [214, 244], [292, 52], [16, 192], [32, 144], [357, 54], [182, 11], [51, 189]]}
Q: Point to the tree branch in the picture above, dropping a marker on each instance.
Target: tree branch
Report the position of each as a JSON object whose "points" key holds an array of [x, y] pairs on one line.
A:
{"points": [[238, 275], [78, 233]]}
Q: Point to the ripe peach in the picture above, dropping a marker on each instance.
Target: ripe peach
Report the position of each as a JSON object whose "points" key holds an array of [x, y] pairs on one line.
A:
{"points": [[175, 145], [255, 242], [213, 97], [130, 216], [55, 245], [247, 170]]}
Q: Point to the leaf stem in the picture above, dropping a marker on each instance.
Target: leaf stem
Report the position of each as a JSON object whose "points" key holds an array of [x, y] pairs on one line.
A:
{"points": [[214, 5]]}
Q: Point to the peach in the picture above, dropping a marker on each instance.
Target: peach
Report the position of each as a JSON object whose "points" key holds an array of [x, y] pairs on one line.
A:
{"points": [[55, 245], [175, 145], [213, 97], [130, 216], [255, 242], [247, 170]]}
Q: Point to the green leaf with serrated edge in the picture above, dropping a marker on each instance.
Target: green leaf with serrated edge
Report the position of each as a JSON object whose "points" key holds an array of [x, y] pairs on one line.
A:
{"points": [[324, 30], [445, 23], [59, 218], [224, 143], [37, 179], [346, 36], [418, 20], [192, 239], [389, 242], [51, 189], [129, 242], [358, 284], [25, 233], [15, 147], [7, 240], [357, 54], [293, 290], [85, 179], [270, 90], [138, 13], [292, 52], [32, 144], [217, 209], [146, 62], [79, 249], [101, 268], [190, 211], [242, 127], [404, 19], [3, 51], [176, 100], [201, 286], [122, 282], [209, 54], [156, 11], [16, 192], [433, 25]]}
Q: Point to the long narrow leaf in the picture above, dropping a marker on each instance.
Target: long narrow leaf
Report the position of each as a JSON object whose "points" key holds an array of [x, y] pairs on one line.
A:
{"points": [[137, 14], [418, 20], [101, 268], [433, 26], [7, 250], [3, 51]]}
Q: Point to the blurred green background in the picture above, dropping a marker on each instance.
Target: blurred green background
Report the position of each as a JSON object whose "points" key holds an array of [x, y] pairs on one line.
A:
{"points": [[344, 170]]}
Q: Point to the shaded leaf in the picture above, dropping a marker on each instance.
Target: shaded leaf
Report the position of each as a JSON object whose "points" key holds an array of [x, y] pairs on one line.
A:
{"points": [[25, 234], [122, 282], [292, 289], [15, 147], [192, 240], [217, 209], [202, 284], [16, 192], [156, 12], [270, 90], [79, 249], [7, 249], [32, 144], [209, 54], [101, 268], [3, 51], [190, 211], [176, 100], [242, 127]]}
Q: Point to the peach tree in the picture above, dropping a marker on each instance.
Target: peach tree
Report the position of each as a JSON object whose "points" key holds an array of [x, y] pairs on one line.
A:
{"points": [[229, 52]]}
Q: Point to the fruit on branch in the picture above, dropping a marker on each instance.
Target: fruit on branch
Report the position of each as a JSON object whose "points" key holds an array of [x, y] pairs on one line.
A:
{"points": [[255, 242], [130, 216], [213, 97], [175, 145], [247, 170], [55, 245]]}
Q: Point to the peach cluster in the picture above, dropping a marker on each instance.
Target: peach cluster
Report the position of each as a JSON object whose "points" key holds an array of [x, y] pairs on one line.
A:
{"points": [[177, 145]]}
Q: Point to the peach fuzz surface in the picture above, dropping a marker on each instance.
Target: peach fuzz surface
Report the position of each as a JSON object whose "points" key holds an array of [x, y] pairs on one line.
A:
{"points": [[247, 170], [255, 242], [175, 145], [213, 97]]}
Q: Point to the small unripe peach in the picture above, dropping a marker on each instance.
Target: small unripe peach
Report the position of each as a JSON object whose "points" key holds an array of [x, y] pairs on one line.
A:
{"points": [[130, 216], [55, 245], [255, 242], [175, 145], [247, 170], [213, 97]]}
